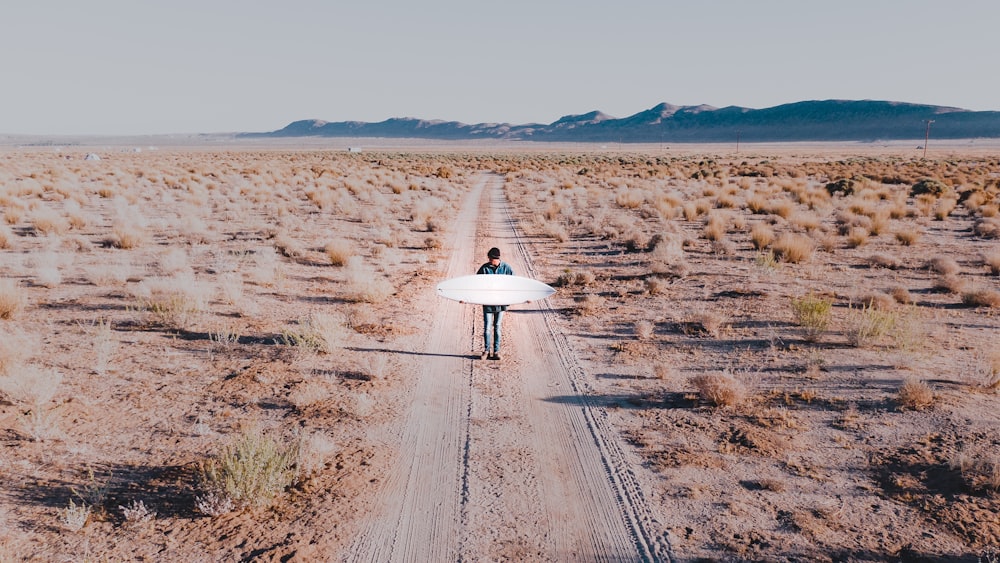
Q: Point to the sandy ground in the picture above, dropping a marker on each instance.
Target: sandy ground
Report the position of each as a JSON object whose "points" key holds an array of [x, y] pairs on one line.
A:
{"points": [[125, 369]]}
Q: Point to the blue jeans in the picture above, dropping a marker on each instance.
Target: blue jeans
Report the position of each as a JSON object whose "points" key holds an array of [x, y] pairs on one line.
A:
{"points": [[491, 331]]}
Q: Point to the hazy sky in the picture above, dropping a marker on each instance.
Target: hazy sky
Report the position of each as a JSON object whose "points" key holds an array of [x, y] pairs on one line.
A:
{"points": [[210, 66]]}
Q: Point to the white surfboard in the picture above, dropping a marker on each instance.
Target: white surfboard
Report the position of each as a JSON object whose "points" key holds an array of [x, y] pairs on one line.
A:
{"points": [[493, 289]]}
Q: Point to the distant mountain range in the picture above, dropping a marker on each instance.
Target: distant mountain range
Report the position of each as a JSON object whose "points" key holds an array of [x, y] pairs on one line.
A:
{"points": [[826, 120]]}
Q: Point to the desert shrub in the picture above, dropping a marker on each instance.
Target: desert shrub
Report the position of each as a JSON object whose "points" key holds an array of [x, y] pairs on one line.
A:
{"points": [[943, 265], [716, 227], [883, 261], [173, 301], [907, 237], [14, 349], [813, 314], [49, 222], [655, 285], [11, 299], [931, 187], [793, 248], [34, 387], [127, 235], [251, 470], [992, 261], [843, 186], [982, 298], [136, 512], [288, 246], [667, 258], [857, 236], [902, 295], [987, 228], [706, 322], [949, 283], [644, 330], [364, 285], [720, 390], [75, 516], [943, 208], [174, 260], [589, 304], [877, 300], [867, 326], [782, 208], [321, 332], [879, 223], [761, 235], [338, 252], [915, 394], [6, 238], [569, 277]]}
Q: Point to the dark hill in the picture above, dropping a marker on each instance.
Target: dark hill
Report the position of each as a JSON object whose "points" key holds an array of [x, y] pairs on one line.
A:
{"points": [[827, 120]]}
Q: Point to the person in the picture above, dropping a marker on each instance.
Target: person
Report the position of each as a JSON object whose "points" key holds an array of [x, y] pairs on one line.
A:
{"points": [[493, 314]]}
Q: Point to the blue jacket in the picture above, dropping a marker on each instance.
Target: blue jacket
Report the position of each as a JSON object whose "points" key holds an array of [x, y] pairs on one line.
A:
{"points": [[501, 268]]}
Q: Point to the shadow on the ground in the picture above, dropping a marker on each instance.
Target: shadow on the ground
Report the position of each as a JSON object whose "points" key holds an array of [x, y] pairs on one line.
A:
{"points": [[413, 353]]}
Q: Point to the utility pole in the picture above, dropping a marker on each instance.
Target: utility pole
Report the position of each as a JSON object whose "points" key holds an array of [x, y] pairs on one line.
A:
{"points": [[927, 135]]}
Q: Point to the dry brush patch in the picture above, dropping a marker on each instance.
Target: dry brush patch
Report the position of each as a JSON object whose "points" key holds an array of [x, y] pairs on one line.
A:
{"points": [[627, 230], [882, 302], [157, 284]]}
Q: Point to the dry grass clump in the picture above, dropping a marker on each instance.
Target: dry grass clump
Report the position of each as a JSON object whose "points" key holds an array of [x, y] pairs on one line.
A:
{"points": [[761, 235], [173, 301], [915, 394], [719, 390], [949, 283], [250, 472], [589, 304], [943, 265], [908, 237], [867, 326], [33, 387], [644, 330], [655, 285], [716, 226], [363, 284], [793, 248], [857, 236], [11, 299], [13, 351], [322, 332], [982, 298], [877, 300], [987, 227], [902, 295], [126, 235], [884, 261], [813, 314], [6, 238], [992, 261], [49, 222], [569, 277], [667, 258], [338, 252]]}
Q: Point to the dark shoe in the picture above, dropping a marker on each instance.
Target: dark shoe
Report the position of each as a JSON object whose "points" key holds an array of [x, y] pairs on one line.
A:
{"points": [[495, 356], [485, 356]]}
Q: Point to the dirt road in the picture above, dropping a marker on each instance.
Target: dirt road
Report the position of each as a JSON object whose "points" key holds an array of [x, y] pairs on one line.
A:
{"points": [[503, 460]]}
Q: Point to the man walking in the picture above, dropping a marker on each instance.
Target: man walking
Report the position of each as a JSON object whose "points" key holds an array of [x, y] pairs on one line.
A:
{"points": [[492, 314]]}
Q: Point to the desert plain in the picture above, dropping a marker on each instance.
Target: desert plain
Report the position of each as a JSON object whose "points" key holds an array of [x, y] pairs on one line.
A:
{"points": [[785, 353]]}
